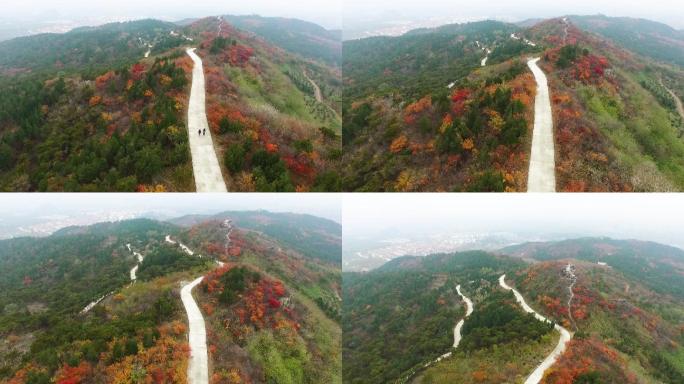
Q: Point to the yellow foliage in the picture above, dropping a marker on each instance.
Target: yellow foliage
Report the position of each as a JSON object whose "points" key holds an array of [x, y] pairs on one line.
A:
{"points": [[165, 80], [245, 182], [149, 93]]}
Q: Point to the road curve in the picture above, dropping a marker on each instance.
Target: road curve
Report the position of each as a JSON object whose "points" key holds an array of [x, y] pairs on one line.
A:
{"points": [[317, 90], [469, 310], [565, 336], [198, 367], [678, 102], [205, 165], [542, 173]]}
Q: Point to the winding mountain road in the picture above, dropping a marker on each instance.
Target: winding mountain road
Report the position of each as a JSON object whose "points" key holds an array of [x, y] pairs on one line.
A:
{"points": [[205, 165], [457, 329], [542, 173], [565, 336], [469, 310], [198, 367]]}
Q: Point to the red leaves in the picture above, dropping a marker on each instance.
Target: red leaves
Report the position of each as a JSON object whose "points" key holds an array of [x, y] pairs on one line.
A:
{"points": [[460, 95], [299, 165], [73, 375], [278, 289], [137, 70], [273, 302], [239, 55], [590, 67]]}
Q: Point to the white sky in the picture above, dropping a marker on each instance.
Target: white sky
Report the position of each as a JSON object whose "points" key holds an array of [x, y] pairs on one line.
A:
{"points": [[655, 217], [324, 12], [666, 11], [13, 205]]}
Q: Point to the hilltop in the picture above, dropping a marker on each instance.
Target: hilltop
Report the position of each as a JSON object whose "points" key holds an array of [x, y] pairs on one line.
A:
{"points": [[452, 108], [105, 109], [102, 303], [624, 325]]}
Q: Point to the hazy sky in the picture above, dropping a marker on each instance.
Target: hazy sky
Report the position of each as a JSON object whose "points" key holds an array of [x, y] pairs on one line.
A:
{"points": [[169, 204], [641, 216], [669, 12], [323, 12]]}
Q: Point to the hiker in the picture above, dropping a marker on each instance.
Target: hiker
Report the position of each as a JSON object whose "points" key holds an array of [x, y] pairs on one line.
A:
{"points": [[204, 132], [199, 132]]}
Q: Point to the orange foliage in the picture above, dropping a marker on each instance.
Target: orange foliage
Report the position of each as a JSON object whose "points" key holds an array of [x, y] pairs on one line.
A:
{"points": [[73, 375], [399, 144], [95, 100], [101, 81], [416, 108], [272, 148], [479, 376]]}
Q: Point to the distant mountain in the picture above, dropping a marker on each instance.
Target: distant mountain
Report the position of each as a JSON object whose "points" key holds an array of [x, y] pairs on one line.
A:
{"points": [[646, 37], [658, 266], [305, 38], [313, 236], [92, 48]]}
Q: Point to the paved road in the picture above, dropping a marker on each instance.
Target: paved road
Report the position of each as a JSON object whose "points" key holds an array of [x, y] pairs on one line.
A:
{"points": [[538, 372], [198, 367], [205, 165], [469, 310], [542, 173]]}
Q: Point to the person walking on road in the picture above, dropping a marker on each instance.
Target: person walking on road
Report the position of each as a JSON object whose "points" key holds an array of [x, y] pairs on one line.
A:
{"points": [[199, 132], [204, 132]]}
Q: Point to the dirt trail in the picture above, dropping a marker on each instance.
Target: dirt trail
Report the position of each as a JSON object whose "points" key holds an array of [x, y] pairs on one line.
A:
{"points": [[677, 100], [565, 336], [317, 90]]}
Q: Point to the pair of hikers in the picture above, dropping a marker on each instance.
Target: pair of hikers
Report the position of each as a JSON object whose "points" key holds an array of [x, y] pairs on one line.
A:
{"points": [[202, 132]]}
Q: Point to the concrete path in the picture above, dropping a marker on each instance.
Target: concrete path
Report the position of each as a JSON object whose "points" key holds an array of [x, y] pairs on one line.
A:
{"points": [[198, 366], [538, 372], [205, 165], [469, 310], [542, 173]]}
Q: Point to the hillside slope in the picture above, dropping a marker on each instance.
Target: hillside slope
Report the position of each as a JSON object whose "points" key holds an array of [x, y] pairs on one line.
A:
{"points": [[449, 108], [421, 112], [104, 109], [282, 307]]}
